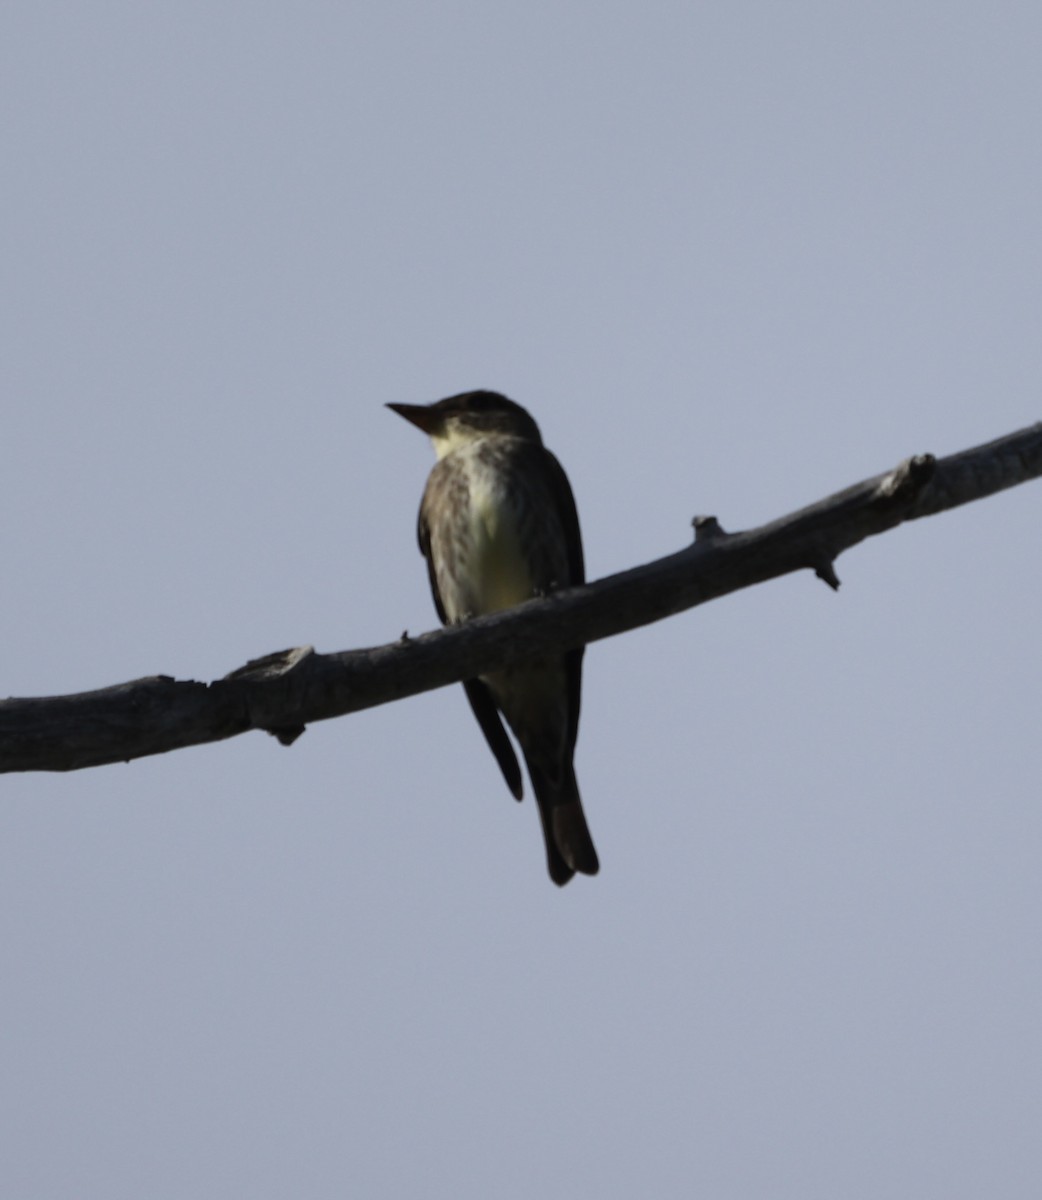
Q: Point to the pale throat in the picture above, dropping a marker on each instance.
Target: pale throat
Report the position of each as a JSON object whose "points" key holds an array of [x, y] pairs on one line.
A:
{"points": [[452, 437]]}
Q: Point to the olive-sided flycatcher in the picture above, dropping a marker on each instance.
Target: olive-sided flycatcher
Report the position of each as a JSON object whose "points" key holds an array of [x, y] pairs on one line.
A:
{"points": [[498, 526]]}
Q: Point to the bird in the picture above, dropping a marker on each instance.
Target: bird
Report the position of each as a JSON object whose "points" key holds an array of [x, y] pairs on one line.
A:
{"points": [[498, 526]]}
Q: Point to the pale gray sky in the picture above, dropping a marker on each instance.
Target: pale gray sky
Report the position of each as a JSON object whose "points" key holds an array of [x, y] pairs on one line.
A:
{"points": [[733, 257]]}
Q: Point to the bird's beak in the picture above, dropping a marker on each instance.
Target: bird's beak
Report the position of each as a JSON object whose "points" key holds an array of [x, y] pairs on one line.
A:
{"points": [[419, 415]]}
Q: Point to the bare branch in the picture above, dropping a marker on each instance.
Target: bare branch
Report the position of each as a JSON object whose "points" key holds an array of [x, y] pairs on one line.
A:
{"points": [[283, 692]]}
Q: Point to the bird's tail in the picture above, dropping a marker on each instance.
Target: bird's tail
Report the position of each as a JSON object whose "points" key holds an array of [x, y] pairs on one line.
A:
{"points": [[569, 847]]}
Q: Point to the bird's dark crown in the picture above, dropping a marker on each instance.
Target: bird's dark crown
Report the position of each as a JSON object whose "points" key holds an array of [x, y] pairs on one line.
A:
{"points": [[488, 411]]}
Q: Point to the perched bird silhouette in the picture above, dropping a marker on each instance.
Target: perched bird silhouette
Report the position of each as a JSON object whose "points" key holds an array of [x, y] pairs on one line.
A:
{"points": [[498, 526]]}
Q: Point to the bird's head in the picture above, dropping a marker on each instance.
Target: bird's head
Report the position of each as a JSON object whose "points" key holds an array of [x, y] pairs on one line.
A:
{"points": [[457, 420]]}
